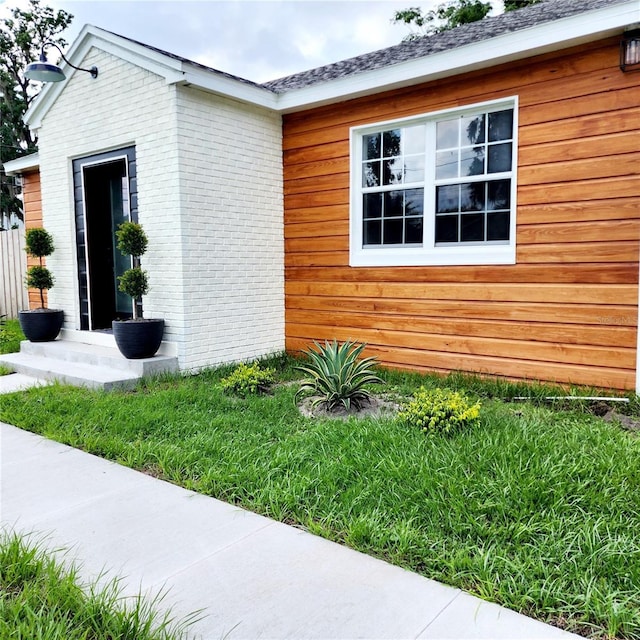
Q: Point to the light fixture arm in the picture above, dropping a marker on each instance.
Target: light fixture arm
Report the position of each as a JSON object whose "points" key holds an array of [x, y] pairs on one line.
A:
{"points": [[93, 70]]}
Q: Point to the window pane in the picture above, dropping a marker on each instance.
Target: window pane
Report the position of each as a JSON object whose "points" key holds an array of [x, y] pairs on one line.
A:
{"points": [[498, 226], [472, 196], [371, 146], [393, 231], [391, 143], [472, 227], [372, 232], [413, 139], [472, 130], [413, 230], [472, 162], [392, 171], [372, 205], [448, 199], [414, 169], [446, 164], [371, 174], [499, 195], [499, 158], [447, 228], [393, 204], [447, 134], [501, 125], [414, 202]]}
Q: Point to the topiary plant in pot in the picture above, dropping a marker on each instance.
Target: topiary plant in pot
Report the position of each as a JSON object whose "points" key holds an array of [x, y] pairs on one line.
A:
{"points": [[137, 337], [41, 324]]}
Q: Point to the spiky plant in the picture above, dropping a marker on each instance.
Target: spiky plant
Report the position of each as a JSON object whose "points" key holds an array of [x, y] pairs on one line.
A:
{"points": [[337, 376]]}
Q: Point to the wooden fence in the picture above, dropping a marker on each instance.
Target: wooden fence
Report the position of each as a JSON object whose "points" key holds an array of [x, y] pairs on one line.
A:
{"points": [[13, 267]]}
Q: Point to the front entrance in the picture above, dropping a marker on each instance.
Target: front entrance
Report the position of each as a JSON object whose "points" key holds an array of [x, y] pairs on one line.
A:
{"points": [[104, 199]]}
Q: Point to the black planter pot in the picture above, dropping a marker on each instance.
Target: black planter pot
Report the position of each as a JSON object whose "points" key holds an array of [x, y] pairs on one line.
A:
{"points": [[41, 325], [138, 338]]}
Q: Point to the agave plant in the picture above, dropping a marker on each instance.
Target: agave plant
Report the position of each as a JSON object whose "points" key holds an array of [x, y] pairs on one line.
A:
{"points": [[336, 375]]}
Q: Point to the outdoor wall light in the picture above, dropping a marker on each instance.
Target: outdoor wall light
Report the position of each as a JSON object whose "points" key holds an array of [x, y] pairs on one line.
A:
{"points": [[44, 71], [630, 51]]}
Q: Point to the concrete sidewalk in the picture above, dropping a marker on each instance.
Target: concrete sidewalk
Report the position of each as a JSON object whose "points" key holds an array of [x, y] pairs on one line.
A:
{"points": [[253, 577]]}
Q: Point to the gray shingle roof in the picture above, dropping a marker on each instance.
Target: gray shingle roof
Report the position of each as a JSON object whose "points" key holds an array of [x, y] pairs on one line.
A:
{"points": [[537, 14], [186, 60]]}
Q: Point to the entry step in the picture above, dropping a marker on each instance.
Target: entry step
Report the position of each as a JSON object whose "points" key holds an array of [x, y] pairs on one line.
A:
{"points": [[87, 365]]}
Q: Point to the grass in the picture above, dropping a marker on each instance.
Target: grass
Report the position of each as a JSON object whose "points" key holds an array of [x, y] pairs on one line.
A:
{"points": [[10, 336], [536, 508], [41, 598]]}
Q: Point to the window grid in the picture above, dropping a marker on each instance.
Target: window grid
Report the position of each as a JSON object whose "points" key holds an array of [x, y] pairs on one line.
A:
{"points": [[484, 177]]}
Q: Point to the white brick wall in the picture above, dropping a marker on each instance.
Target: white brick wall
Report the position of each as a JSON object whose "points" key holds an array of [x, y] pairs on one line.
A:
{"points": [[231, 184], [210, 199]]}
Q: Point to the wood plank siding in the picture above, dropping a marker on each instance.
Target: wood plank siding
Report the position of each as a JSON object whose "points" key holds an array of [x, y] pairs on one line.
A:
{"points": [[566, 311], [32, 199]]}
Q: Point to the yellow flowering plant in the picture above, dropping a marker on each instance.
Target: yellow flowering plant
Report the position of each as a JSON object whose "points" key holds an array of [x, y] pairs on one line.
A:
{"points": [[440, 411]]}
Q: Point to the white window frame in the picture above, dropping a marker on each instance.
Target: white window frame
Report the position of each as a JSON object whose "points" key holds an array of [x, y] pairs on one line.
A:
{"points": [[428, 253]]}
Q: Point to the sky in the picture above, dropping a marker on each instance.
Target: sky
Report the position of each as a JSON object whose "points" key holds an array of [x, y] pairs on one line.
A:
{"points": [[257, 40]]}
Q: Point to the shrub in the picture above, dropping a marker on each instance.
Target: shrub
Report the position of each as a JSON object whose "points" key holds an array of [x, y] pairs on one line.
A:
{"points": [[440, 411], [336, 375], [39, 244], [134, 282], [248, 379], [132, 241]]}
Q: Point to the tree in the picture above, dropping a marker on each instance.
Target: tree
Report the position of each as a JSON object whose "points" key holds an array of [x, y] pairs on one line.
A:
{"points": [[22, 35], [449, 15], [512, 5]]}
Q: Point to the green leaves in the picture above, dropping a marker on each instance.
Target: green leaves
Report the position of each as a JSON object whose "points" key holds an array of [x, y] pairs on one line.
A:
{"points": [[440, 411], [22, 33], [39, 242], [336, 375], [134, 282], [132, 240], [39, 278], [248, 379]]}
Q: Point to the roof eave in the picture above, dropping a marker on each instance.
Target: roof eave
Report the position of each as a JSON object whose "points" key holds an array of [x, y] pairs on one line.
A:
{"points": [[510, 47], [22, 165], [173, 70]]}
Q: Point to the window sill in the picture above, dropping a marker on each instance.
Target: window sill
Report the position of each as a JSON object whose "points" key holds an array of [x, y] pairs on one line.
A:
{"points": [[440, 256]]}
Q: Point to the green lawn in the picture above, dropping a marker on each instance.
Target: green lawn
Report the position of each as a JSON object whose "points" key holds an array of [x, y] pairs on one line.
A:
{"points": [[536, 508], [10, 336], [42, 599]]}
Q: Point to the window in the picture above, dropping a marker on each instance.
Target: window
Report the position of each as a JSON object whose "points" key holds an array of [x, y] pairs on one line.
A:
{"points": [[437, 189]]}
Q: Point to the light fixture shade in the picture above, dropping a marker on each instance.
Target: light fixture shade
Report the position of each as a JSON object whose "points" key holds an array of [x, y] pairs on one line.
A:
{"points": [[44, 72], [630, 51]]}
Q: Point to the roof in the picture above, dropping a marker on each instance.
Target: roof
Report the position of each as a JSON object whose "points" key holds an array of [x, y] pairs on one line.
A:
{"points": [[551, 25], [181, 59], [525, 18]]}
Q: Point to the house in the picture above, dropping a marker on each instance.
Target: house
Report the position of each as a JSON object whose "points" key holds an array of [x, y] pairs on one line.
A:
{"points": [[467, 201]]}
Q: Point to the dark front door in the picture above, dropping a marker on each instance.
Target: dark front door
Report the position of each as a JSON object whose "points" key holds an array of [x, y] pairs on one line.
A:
{"points": [[105, 202]]}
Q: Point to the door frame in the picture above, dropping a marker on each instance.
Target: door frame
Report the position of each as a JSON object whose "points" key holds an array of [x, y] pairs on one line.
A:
{"points": [[128, 154]]}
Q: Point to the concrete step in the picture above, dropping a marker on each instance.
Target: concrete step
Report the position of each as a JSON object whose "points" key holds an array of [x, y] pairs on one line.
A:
{"points": [[86, 365], [99, 355]]}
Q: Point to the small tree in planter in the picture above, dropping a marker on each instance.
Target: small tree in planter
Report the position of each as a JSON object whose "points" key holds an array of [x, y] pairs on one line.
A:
{"points": [[42, 324], [138, 337]]}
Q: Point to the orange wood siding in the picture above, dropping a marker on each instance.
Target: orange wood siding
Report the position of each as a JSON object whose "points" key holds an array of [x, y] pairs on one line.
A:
{"points": [[32, 199], [566, 312]]}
